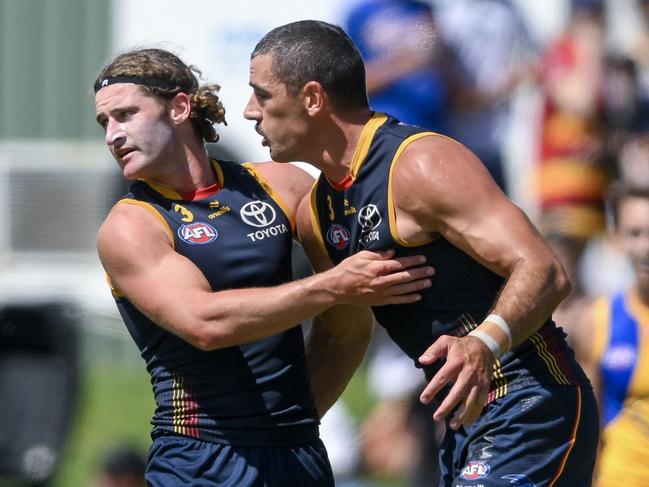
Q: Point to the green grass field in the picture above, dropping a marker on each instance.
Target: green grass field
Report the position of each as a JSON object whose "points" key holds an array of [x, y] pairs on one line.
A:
{"points": [[115, 407]]}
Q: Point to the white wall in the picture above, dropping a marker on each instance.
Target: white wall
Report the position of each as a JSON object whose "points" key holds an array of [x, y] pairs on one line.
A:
{"points": [[218, 38]]}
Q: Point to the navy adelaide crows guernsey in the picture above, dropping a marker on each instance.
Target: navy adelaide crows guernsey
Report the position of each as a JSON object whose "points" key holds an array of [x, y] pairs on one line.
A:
{"points": [[255, 394], [361, 216]]}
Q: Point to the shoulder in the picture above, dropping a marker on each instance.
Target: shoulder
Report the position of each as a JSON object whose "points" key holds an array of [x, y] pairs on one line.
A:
{"points": [[130, 229], [278, 172], [428, 153], [290, 182], [441, 170]]}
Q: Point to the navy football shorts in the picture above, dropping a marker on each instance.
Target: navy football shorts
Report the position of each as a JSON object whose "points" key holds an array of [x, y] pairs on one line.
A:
{"points": [[532, 437], [178, 460]]}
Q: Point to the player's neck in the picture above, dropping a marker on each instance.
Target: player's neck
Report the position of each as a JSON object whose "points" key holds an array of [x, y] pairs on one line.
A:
{"points": [[340, 144], [190, 170]]}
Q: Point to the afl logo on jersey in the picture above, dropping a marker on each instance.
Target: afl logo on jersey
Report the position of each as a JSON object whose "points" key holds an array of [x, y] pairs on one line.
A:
{"points": [[475, 470], [197, 233], [338, 236], [258, 214]]}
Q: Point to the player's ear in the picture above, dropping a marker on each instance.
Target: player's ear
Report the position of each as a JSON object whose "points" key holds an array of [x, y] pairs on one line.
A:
{"points": [[180, 108], [314, 97]]}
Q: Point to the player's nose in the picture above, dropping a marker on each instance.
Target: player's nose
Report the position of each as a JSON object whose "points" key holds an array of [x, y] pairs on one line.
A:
{"points": [[252, 111]]}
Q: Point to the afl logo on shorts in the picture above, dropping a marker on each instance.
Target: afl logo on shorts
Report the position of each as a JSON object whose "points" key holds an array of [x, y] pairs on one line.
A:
{"points": [[258, 214], [338, 236], [197, 233], [475, 470]]}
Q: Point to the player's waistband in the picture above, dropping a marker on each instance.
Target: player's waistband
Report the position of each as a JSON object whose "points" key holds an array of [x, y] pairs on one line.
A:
{"points": [[282, 436]]}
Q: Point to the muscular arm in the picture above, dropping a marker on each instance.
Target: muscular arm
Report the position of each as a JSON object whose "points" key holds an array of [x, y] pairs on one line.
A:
{"points": [[339, 337], [444, 188], [441, 187], [138, 256]]}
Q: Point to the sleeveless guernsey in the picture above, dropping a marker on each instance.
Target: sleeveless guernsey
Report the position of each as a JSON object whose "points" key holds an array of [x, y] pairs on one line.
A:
{"points": [[255, 394]]}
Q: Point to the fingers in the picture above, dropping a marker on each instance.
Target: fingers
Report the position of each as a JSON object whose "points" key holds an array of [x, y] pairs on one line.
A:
{"points": [[402, 294], [470, 410], [389, 266], [439, 380], [405, 276], [435, 351], [468, 374], [378, 254], [398, 282], [470, 398], [410, 287], [444, 375], [374, 278]]}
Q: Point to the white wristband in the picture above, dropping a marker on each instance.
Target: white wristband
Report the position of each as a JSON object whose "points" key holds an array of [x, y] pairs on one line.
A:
{"points": [[502, 324], [488, 340]]}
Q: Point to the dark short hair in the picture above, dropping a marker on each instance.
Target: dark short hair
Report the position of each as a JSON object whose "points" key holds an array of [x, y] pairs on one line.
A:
{"points": [[165, 75], [312, 50]]}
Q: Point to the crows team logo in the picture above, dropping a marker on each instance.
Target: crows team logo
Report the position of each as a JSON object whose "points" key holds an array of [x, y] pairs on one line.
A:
{"points": [[338, 236], [198, 233], [258, 214], [475, 470]]}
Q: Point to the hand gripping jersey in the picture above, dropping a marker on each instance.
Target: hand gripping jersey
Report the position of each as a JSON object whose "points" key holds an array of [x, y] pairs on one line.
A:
{"points": [[622, 350], [361, 216], [255, 394]]}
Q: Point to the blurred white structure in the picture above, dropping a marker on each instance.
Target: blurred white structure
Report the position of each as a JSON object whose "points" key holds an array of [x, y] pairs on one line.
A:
{"points": [[218, 39]]}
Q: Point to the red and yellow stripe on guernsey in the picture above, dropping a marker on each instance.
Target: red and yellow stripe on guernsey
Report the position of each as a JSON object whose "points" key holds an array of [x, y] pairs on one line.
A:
{"points": [[549, 358], [573, 438], [498, 387], [498, 384], [185, 409]]}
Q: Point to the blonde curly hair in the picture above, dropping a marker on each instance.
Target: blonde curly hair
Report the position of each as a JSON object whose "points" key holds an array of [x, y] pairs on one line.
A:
{"points": [[165, 75]]}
